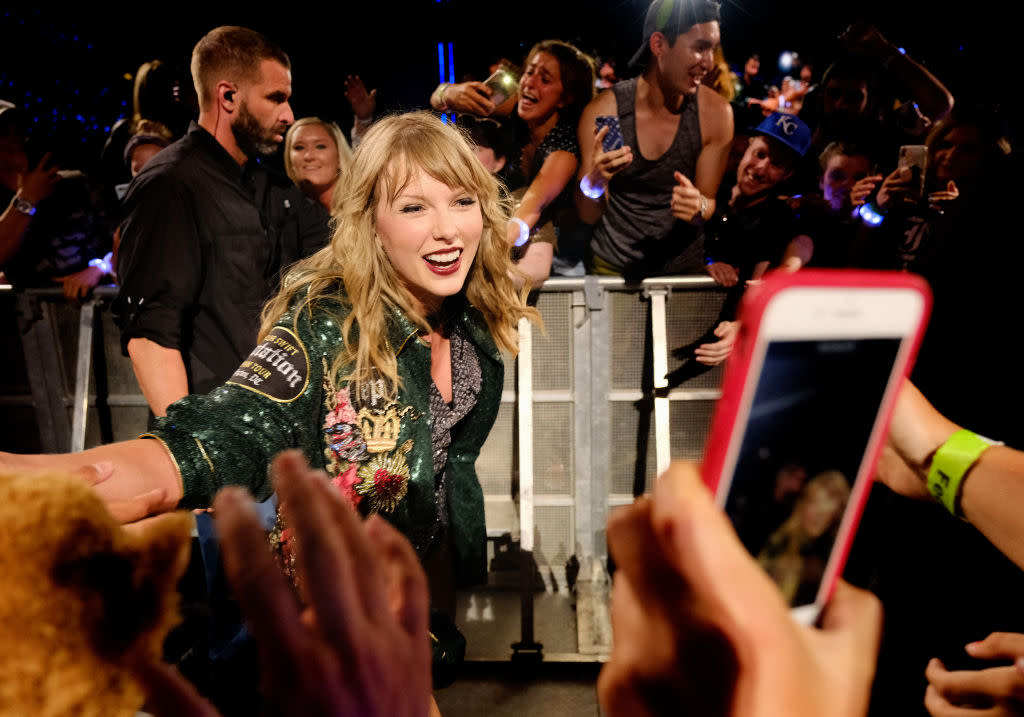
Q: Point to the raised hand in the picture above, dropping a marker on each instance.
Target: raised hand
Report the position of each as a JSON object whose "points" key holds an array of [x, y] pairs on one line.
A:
{"points": [[687, 201], [363, 103]]}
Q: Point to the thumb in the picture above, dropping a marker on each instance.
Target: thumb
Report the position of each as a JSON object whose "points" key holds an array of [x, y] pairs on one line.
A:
{"points": [[951, 187], [682, 180], [373, 93]]}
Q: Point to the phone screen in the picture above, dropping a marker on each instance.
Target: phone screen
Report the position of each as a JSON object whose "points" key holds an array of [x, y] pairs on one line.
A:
{"points": [[811, 418]]}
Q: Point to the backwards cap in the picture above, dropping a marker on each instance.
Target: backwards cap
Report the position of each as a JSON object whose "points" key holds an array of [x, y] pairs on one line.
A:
{"points": [[672, 18]]}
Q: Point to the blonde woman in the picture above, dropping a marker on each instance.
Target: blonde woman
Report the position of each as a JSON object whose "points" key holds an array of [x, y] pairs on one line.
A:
{"points": [[380, 359], [796, 552], [316, 155]]}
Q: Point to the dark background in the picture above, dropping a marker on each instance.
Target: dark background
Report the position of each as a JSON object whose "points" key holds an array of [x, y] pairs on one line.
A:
{"points": [[72, 66]]}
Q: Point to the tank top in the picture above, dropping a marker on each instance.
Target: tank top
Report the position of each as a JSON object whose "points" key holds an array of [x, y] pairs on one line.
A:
{"points": [[637, 233]]}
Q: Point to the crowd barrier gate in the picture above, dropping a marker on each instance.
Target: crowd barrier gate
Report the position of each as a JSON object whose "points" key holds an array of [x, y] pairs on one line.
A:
{"points": [[597, 403]]}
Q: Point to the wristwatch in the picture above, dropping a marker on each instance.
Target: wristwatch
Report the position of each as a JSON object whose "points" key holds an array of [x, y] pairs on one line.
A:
{"points": [[24, 206]]}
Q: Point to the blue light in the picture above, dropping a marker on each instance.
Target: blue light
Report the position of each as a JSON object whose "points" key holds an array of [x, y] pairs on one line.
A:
{"points": [[787, 60], [451, 64], [870, 215]]}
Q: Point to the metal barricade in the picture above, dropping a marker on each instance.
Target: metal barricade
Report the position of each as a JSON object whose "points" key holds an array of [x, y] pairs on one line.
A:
{"points": [[595, 406]]}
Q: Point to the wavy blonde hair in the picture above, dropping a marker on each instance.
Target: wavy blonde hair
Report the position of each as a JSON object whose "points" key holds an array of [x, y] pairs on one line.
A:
{"points": [[355, 270]]}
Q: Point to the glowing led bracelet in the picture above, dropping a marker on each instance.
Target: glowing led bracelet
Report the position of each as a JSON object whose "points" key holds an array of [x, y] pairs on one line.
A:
{"points": [[104, 263], [589, 190], [870, 214], [524, 231]]}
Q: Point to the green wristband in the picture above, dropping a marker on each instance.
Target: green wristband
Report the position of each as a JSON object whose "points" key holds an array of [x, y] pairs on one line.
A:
{"points": [[951, 463]]}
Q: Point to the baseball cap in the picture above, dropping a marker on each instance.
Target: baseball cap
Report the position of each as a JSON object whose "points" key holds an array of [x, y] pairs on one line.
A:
{"points": [[788, 129], [672, 18]]}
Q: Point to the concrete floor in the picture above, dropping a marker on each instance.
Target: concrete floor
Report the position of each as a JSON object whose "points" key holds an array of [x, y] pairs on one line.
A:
{"points": [[562, 682]]}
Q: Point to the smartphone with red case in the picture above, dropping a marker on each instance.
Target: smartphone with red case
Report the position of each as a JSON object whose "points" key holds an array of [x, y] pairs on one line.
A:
{"points": [[806, 398]]}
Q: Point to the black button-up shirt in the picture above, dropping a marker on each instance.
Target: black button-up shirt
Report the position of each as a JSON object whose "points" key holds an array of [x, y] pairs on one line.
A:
{"points": [[203, 244]]}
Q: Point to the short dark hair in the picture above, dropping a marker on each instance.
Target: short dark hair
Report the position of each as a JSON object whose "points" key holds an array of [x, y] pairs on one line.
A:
{"points": [[846, 149], [234, 52], [485, 132]]}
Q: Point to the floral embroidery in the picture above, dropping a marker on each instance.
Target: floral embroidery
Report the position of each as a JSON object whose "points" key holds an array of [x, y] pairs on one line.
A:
{"points": [[384, 479], [346, 483], [363, 459]]}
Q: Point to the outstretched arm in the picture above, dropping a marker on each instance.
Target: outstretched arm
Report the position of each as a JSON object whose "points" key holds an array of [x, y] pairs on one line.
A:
{"points": [[932, 97], [121, 473], [558, 169], [991, 492]]}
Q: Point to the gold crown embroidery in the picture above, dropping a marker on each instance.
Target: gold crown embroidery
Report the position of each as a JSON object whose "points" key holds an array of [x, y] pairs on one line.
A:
{"points": [[380, 428]]}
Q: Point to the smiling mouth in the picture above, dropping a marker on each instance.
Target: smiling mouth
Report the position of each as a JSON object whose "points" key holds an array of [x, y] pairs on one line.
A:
{"points": [[444, 262], [528, 99]]}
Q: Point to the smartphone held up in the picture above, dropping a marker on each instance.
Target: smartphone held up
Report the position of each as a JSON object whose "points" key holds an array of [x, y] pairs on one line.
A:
{"points": [[613, 139], [806, 400], [503, 83]]}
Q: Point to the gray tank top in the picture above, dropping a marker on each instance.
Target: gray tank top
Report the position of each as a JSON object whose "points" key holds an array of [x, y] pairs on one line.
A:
{"points": [[638, 233]]}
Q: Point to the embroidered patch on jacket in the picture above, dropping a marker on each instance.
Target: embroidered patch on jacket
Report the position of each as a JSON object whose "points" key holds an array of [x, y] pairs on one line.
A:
{"points": [[362, 452], [278, 368]]}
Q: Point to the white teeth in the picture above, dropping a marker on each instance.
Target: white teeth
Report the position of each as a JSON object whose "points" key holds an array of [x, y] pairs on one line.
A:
{"points": [[444, 257]]}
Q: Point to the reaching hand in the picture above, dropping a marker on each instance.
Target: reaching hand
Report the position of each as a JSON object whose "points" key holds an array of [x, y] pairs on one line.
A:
{"points": [[361, 646], [700, 628], [994, 692], [722, 273], [864, 39], [895, 188], [128, 511], [951, 192], [363, 103], [715, 353], [472, 97], [862, 189], [38, 183], [77, 286]]}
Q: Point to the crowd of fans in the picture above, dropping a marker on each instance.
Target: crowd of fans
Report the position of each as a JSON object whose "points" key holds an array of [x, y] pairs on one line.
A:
{"points": [[672, 163]]}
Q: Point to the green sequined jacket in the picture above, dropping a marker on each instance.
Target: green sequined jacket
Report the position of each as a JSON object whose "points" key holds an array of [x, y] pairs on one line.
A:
{"points": [[376, 451]]}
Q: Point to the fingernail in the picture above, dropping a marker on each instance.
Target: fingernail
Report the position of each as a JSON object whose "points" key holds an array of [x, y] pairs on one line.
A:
{"points": [[1020, 665], [230, 497], [973, 647], [104, 469]]}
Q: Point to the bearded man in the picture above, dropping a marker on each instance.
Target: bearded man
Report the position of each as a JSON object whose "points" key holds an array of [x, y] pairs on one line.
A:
{"points": [[208, 226]]}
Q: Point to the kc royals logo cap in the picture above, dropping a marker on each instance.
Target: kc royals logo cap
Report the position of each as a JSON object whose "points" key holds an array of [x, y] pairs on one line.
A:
{"points": [[788, 129]]}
